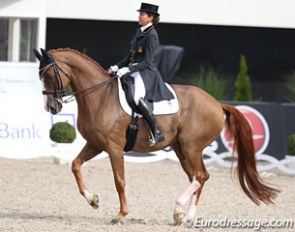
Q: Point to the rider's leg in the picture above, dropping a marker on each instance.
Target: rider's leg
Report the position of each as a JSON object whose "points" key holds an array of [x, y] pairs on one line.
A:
{"points": [[145, 109], [147, 113], [139, 88]]}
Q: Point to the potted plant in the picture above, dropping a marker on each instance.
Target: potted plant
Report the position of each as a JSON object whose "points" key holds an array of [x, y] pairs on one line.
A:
{"points": [[210, 79], [291, 150], [289, 86], [63, 134], [243, 82]]}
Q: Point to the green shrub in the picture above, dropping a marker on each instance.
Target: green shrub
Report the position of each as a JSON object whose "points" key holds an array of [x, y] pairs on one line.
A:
{"points": [[211, 80], [243, 84], [62, 132], [289, 85], [291, 145]]}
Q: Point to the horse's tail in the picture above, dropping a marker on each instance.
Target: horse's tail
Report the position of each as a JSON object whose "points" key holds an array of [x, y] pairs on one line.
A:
{"points": [[238, 128]]}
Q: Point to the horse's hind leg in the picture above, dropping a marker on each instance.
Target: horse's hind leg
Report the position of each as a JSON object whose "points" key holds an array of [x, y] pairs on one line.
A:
{"points": [[86, 154], [193, 165], [179, 211], [200, 173], [183, 160]]}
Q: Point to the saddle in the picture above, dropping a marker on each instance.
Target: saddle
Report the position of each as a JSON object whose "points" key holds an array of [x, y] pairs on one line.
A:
{"points": [[127, 83], [128, 104], [126, 89]]}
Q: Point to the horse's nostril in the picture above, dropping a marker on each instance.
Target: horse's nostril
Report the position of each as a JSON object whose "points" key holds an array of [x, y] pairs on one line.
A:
{"points": [[54, 107], [51, 108]]}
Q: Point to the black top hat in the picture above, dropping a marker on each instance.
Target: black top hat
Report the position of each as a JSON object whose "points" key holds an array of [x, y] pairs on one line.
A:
{"points": [[149, 8]]}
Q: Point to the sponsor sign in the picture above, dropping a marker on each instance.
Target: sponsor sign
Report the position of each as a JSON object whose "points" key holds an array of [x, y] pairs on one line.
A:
{"points": [[25, 125], [259, 128]]}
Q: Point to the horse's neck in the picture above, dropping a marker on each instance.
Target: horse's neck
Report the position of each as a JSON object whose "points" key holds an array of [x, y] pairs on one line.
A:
{"points": [[86, 74]]}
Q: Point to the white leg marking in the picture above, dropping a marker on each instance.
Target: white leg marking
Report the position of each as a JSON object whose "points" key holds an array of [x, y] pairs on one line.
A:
{"points": [[88, 196], [183, 198], [192, 207]]}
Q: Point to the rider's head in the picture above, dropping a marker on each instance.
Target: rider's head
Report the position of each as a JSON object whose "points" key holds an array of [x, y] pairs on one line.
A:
{"points": [[148, 13]]}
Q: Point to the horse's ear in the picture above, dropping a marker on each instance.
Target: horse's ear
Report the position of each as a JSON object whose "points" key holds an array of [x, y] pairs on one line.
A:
{"points": [[37, 54], [44, 53]]}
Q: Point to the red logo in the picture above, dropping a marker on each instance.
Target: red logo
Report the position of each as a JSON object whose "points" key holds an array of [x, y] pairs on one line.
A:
{"points": [[259, 127]]}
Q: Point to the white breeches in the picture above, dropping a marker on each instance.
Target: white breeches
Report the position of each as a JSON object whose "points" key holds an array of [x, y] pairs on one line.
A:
{"points": [[139, 88]]}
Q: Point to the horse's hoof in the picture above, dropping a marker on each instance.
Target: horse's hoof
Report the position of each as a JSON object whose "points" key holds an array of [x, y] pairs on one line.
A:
{"points": [[116, 221], [95, 202], [179, 218]]}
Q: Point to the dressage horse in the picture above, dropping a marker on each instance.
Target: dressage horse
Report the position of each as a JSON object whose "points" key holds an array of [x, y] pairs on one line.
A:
{"points": [[103, 124]]}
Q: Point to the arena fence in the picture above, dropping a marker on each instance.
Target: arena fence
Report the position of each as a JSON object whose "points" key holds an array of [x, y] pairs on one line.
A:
{"points": [[24, 134]]}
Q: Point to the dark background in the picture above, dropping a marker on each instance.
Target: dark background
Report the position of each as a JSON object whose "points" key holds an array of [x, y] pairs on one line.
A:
{"points": [[269, 51]]}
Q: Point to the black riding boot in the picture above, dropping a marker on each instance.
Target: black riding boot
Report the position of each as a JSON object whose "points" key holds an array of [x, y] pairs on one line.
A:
{"points": [[147, 113]]}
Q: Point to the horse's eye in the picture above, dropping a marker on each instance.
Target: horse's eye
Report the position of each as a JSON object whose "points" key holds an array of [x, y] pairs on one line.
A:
{"points": [[49, 77]]}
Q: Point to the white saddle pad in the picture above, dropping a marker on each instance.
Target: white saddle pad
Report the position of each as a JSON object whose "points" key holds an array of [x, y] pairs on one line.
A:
{"points": [[160, 108]]}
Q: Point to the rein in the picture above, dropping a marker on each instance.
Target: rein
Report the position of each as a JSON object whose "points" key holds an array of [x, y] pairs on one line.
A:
{"points": [[59, 90], [86, 91]]}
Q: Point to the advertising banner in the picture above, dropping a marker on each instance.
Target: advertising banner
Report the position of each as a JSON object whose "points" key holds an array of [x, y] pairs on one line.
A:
{"points": [[25, 126]]}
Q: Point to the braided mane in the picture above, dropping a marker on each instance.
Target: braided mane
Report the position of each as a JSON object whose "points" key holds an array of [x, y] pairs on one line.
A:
{"points": [[79, 53]]}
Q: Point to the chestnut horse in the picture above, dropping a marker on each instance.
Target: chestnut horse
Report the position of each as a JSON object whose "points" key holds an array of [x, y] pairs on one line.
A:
{"points": [[103, 123]]}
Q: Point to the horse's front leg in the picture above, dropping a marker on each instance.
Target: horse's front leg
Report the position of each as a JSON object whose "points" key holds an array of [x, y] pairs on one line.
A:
{"points": [[86, 154], [117, 162]]}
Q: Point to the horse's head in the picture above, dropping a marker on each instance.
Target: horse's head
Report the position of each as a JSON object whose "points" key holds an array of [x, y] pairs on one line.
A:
{"points": [[55, 78]]}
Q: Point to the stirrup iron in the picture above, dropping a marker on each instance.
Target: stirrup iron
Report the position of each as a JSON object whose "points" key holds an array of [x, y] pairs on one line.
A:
{"points": [[151, 141]]}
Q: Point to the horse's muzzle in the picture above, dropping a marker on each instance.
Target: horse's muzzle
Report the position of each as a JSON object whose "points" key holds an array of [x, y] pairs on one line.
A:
{"points": [[54, 107]]}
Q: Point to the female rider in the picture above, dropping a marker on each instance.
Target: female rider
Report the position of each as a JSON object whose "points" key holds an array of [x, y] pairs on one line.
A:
{"points": [[140, 64]]}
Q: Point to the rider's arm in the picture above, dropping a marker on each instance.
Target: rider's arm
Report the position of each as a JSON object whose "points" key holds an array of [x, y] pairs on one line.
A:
{"points": [[125, 61]]}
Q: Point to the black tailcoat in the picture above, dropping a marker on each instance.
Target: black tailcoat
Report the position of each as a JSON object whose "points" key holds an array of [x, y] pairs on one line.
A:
{"points": [[141, 59]]}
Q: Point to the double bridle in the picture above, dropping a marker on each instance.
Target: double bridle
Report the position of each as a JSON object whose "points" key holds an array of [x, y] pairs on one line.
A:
{"points": [[59, 92]]}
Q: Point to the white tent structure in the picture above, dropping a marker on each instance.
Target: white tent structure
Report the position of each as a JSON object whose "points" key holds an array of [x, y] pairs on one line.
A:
{"points": [[23, 24]]}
